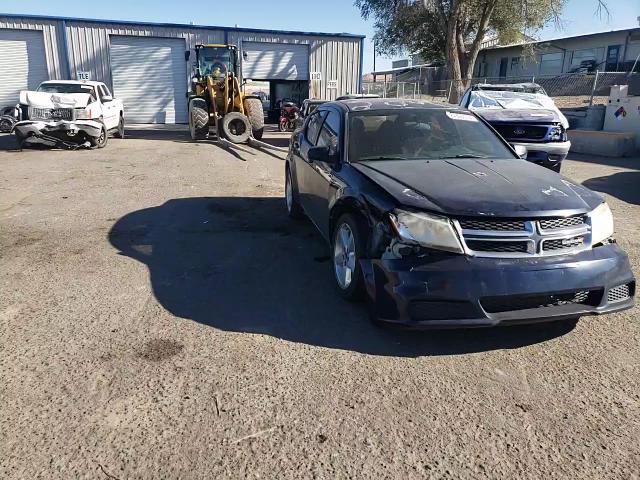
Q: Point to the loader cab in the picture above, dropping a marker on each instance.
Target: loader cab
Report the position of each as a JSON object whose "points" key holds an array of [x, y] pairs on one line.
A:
{"points": [[217, 60]]}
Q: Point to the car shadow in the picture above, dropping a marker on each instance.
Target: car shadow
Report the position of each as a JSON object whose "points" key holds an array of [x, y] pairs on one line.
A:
{"points": [[622, 185], [241, 265]]}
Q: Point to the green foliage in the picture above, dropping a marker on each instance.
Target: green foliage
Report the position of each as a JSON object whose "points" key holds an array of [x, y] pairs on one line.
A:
{"points": [[420, 26]]}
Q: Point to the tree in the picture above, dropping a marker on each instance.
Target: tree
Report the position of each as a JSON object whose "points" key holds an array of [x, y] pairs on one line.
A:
{"points": [[452, 31]]}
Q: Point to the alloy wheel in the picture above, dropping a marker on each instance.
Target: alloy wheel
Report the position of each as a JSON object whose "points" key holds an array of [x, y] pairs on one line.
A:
{"points": [[344, 256]]}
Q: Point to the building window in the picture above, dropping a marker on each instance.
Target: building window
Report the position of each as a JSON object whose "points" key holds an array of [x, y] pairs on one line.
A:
{"points": [[589, 54], [551, 64]]}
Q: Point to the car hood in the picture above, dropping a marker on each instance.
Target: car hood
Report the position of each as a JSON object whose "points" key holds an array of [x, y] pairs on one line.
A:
{"points": [[54, 100], [478, 187], [520, 115]]}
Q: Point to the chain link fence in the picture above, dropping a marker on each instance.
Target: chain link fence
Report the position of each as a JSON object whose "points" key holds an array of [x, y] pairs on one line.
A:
{"points": [[567, 90]]}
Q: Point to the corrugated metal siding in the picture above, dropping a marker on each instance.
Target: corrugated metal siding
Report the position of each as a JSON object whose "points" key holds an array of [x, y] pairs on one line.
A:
{"points": [[52, 37], [336, 58], [22, 64], [89, 44], [155, 68], [279, 61]]}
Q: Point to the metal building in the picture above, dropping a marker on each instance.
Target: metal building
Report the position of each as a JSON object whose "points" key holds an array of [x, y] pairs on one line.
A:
{"points": [[144, 63]]}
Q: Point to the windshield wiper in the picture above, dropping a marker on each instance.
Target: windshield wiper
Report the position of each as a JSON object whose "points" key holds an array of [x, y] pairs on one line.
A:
{"points": [[465, 155], [382, 157]]}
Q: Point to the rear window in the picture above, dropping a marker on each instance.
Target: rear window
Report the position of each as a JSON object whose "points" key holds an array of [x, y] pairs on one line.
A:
{"points": [[67, 88]]}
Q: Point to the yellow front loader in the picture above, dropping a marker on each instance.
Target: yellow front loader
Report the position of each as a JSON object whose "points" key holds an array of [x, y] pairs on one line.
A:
{"points": [[216, 99]]}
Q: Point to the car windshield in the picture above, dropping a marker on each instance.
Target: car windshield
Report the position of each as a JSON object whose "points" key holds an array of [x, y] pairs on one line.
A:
{"points": [[65, 88], [504, 99], [414, 134]]}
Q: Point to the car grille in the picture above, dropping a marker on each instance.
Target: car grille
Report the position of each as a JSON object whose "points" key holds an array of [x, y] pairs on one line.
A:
{"points": [[498, 247], [500, 225], [517, 237], [50, 113], [562, 244], [522, 132], [558, 223], [510, 303], [620, 293]]}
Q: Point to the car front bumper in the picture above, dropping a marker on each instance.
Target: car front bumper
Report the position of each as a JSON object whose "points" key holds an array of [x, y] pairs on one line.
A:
{"points": [[67, 131], [450, 291], [549, 154]]}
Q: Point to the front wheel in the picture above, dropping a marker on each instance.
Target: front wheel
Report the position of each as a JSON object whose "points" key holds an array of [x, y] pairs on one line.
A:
{"points": [[102, 140], [282, 126], [347, 249], [198, 119]]}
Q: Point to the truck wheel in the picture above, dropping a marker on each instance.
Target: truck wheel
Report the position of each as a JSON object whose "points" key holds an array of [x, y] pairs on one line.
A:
{"points": [[119, 133], [236, 127], [253, 106], [102, 140], [198, 119]]}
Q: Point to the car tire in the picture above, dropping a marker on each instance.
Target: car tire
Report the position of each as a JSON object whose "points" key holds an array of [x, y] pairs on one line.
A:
{"points": [[102, 140], [347, 246], [198, 119], [294, 209], [255, 113], [119, 133], [556, 168], [236, 127]]}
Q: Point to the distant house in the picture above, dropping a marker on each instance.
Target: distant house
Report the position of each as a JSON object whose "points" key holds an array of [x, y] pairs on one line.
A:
{"points": [[614, 51]]}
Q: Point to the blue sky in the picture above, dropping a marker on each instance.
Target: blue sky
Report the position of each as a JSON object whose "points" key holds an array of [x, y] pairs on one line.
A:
{"points": [[325, 16]]}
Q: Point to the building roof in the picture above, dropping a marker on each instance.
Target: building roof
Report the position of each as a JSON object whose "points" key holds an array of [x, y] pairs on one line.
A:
{"points": [[180, 25], [556, 39]]}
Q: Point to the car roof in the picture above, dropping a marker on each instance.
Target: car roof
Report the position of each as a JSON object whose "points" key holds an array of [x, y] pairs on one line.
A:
{"points": [[74, 82], [509, 87], [369, 104]]}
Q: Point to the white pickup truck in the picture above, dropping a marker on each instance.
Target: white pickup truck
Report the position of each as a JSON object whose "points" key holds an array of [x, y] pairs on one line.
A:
{"points": [[69, 114]]}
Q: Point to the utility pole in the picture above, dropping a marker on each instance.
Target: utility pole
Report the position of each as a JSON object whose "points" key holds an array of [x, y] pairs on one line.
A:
{"points": [[374, 61]]}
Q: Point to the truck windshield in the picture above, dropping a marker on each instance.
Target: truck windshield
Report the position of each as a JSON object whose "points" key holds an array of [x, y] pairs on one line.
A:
{"points": [[421, 134], [216, 61]]}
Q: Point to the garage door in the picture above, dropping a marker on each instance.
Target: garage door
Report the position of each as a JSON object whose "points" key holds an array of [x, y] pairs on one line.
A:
{"points": [[150, 76], [275, 61], [23, 63]]}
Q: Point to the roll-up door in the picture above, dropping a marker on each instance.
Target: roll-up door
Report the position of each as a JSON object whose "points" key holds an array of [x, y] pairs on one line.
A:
{"points": [[275, 61], [150, 77], [23, 63]]}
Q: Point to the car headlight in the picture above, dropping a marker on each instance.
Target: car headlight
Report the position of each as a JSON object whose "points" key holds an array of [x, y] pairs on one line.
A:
{"points": [[427, 230], [601, 224], [557, 134], [83, 114]]}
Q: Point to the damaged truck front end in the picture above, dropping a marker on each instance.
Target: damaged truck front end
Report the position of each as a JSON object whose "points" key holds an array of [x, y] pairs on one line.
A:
{"points": [[59, 120]]}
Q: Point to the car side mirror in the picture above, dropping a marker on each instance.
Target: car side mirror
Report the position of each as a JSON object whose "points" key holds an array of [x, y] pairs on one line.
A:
{"points": [[187, 55], [521, 151], [107, 98], [322, 154]]}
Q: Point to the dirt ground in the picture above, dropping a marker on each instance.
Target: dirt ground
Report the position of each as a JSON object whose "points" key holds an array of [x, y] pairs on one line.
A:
{"points": [[162, 318]]}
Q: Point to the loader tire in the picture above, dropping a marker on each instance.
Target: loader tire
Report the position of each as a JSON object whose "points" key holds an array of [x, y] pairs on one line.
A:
{"points": [[235, 127], [253, 107], [198, 119]]}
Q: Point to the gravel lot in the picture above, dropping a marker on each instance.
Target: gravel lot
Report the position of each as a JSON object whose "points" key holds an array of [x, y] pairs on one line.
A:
{"points": [[162, 318]]}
